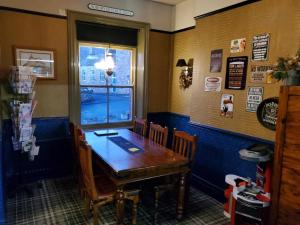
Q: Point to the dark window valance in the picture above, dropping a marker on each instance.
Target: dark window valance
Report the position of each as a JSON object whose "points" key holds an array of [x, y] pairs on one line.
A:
{"points": [[94, 32]]}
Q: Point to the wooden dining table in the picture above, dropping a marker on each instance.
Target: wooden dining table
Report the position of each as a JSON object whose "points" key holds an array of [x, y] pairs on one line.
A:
{"points": [[127, 157]]}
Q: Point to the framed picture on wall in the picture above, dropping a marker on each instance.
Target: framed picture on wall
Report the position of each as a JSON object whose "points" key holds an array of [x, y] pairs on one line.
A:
{"points": [[41, 60]]}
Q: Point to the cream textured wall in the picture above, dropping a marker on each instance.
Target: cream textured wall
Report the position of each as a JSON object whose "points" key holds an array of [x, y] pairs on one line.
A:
{"points": [[279, 18], [158, 15], [183, 15], [184, 12]]}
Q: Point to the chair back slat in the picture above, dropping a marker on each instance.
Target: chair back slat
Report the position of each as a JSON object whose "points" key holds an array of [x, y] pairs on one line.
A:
{"points": [[76, 133], [184, 144], [73, 136], [79, 135], [158, 134], [85, 158], [140, 126]]}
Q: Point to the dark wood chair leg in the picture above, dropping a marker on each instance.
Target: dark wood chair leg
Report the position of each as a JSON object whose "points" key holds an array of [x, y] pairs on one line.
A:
{"points": [[181, 197], [156, 204], [87, 209], [95, 215], [120, 205], [187, 187], [134, 210]]}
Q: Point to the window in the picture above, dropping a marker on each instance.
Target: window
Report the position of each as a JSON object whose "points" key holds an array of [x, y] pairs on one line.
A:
{"points": [[106, 99]]}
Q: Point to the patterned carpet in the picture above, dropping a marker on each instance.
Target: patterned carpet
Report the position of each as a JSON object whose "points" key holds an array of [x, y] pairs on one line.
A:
{"points": [[58, 202]]}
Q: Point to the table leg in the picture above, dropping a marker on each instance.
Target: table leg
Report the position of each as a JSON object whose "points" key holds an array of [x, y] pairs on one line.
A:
{"points": [[181, 197], [120, 205]]}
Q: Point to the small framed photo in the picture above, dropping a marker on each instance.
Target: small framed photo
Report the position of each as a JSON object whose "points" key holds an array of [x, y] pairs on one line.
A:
{"points": [[41, 60]]}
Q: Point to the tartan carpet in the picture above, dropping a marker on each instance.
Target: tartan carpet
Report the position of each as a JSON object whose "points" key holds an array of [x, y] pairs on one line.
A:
{"points": [[57, 202]]}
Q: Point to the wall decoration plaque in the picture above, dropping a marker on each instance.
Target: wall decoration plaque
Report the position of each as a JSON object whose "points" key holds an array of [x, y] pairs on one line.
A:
{"points": [[238, 45], [267, 113], [261, 74], [254, 98], [107, 9], [213, 83], [236, 73], [42, 61], [216, 60], [227, 105], [260, 47]]}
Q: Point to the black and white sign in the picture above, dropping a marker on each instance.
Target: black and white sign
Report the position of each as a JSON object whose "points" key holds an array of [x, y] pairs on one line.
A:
{"points": [[254, 98], [267, 113], [110, 9], [236, 73], [260, 47]]}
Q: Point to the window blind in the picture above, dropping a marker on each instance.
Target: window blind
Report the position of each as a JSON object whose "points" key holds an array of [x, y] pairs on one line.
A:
{"points": [[94, 32]]}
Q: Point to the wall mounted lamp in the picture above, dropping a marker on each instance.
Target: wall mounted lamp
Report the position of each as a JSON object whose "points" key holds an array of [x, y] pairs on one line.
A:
{"points": [[186, 75]]}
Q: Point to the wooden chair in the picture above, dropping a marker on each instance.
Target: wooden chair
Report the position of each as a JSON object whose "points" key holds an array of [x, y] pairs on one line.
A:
{"points": [[100, 189], [140, 126], [185, 145], [158, 134], [76, 134]]}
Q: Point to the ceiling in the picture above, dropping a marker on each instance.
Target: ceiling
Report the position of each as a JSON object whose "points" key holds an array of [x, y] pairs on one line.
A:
{"points": [[169, 2]]}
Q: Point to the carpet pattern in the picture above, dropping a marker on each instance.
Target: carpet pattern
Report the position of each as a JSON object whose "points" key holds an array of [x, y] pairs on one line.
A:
{"points": [[57, 202]]}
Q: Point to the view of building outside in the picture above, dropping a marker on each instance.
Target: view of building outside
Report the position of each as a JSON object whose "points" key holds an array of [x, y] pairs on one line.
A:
{"points": [[106, 103]]}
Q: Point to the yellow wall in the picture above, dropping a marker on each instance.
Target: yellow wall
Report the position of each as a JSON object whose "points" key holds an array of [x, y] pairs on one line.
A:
{"points": [[25, 30], [279, 18], [181, 99], [159, 71]]}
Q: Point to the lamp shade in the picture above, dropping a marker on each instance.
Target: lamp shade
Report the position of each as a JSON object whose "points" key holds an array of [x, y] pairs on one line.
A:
{"points": [[181, 63]]}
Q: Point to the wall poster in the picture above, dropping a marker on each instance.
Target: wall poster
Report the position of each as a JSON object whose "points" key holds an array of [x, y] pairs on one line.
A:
{"points": [[261, 74], [213, 83], [227, 105], [254, 98], [267, 113], [236, 73], [216, 60], [238, 45], [260, 47]]}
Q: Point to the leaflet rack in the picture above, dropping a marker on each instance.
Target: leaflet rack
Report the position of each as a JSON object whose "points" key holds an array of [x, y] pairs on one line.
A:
{"points": [[22, 105]]}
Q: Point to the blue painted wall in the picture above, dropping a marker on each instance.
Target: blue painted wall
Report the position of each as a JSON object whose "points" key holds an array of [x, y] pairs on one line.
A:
{"points": [[54, 159], [217, 152], [2, 202]]}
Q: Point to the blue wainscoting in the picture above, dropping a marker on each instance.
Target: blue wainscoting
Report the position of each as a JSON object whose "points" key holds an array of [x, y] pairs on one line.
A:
{"points": [[217, 152], [54, 159], [2, 205]]}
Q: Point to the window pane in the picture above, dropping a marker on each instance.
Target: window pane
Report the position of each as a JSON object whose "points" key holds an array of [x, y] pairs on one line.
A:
{"points": [[120, 104], [93, 105], [109, 104], [122, 71], [89, 75]]}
